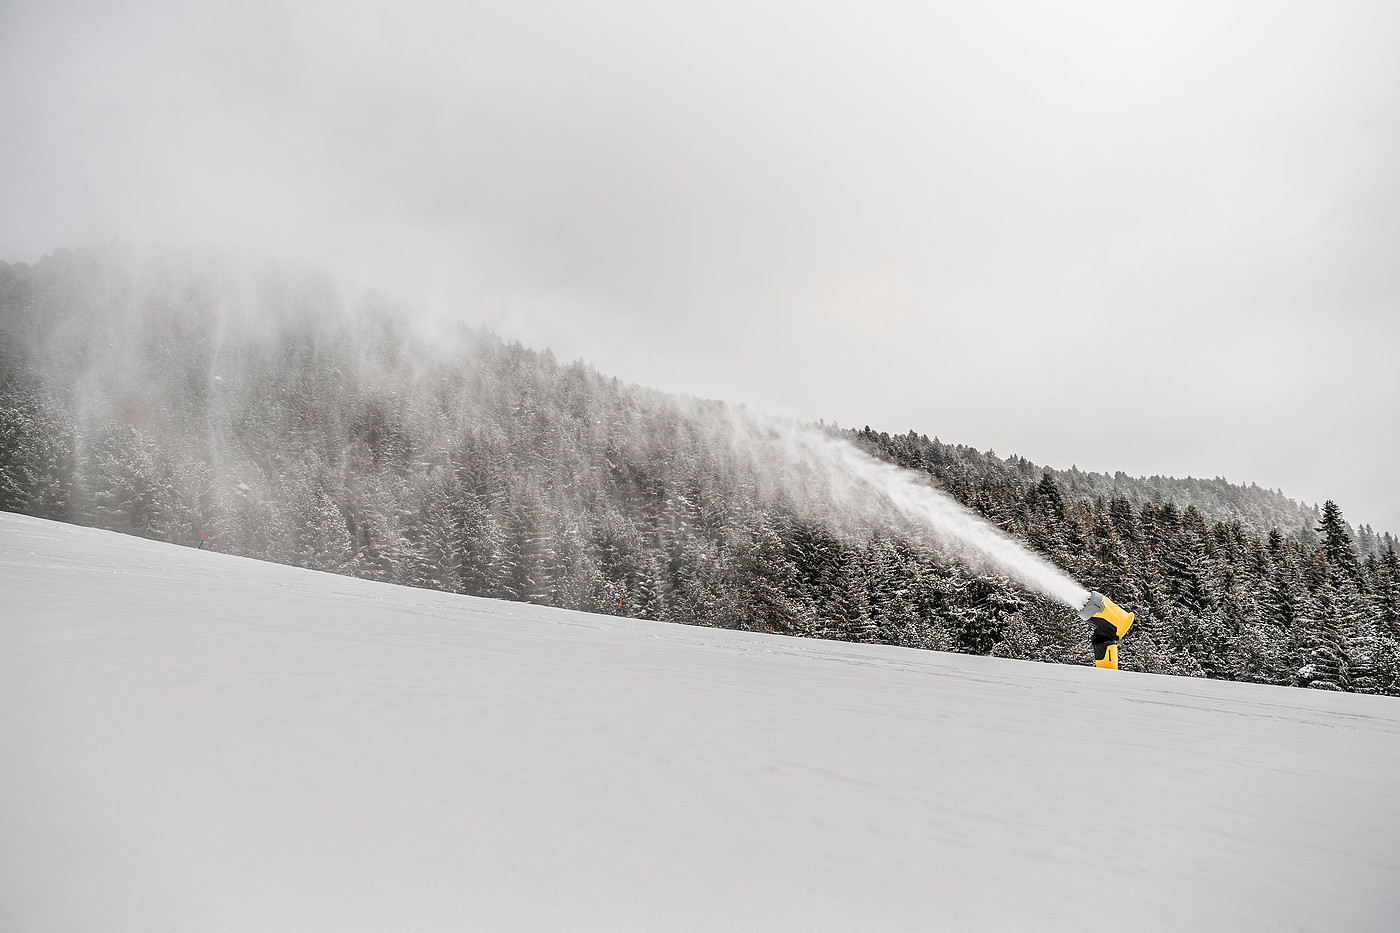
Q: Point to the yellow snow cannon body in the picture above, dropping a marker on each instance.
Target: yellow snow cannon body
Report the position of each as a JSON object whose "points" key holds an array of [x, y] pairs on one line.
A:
{"points": [[1110, 625]]}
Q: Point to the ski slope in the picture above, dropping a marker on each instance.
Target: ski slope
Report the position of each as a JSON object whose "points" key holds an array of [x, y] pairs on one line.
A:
{"points": [[191, 741]]}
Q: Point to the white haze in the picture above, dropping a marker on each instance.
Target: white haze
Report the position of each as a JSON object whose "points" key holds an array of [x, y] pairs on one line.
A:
{"points": [[1151, 237], [247, 303], [814, 465]]}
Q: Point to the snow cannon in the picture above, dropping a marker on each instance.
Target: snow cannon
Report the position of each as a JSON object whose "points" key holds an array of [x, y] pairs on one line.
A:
{"points": [[1110, 625]]}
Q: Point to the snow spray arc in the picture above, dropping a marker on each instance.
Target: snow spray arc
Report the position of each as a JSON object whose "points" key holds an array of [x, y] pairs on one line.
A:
{"points": [[815, 466]]}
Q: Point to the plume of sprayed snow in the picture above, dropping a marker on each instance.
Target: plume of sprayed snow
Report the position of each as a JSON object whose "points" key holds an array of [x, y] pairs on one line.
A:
{"points": [[242, 302], [813, 466]]}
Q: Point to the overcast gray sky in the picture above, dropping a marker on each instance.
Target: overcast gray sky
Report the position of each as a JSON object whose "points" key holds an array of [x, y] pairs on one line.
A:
{"points": [[1162, 238]]}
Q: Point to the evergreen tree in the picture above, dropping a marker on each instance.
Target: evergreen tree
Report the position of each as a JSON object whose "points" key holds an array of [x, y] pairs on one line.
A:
{"points": [[845, 611], [1188, 573], [479, 545], [891, 610], [1336, 543], [1386, 595], [760, 577], [1018, 640], [125, 481], [36, 454], [1049, 497], [1327, 661]]}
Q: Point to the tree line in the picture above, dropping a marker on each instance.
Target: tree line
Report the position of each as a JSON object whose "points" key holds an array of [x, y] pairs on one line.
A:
{"points": [[179, 396]]}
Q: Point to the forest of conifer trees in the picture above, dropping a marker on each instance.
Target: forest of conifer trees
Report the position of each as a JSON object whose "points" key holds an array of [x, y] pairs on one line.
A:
{"points": [[179, 397]]}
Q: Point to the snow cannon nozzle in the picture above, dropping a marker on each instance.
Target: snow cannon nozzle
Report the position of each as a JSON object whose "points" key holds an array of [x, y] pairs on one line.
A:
{"points": [[1110, 625]]}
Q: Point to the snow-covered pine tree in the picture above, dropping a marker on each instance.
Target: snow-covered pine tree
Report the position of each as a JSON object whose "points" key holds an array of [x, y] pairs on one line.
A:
{"points": [[36, 454], [1336, 543]]}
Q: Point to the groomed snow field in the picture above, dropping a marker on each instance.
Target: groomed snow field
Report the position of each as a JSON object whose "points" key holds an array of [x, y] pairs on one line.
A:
{"points": [[196, 742]]}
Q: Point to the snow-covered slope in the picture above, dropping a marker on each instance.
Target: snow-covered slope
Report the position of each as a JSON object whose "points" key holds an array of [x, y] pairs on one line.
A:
{"points": [[191, 741]]}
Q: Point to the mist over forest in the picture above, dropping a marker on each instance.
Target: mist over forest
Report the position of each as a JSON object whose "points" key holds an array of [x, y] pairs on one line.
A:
{"points": [[255, 409]]}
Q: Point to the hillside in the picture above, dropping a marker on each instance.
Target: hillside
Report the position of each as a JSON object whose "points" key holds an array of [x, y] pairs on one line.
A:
{"points": [[1256, 510], [200, 741], [195, 398]]}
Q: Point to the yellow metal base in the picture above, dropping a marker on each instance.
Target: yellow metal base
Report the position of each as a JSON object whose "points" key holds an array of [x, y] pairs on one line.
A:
{"points": [[1110, 658]]}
